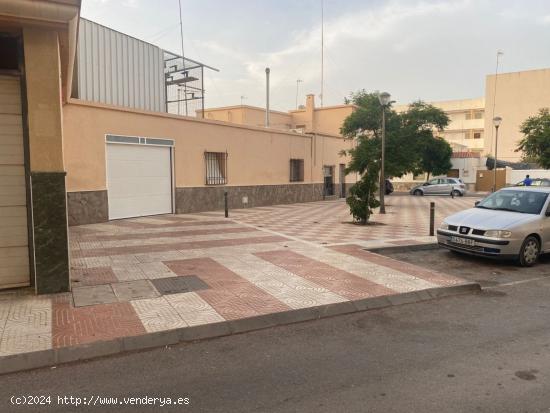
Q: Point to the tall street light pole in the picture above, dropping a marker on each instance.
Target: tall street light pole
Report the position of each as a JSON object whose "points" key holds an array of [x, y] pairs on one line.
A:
{"points": [[384, 99], [497, 120]]}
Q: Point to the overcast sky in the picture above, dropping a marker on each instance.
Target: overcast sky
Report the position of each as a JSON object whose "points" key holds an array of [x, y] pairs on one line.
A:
{"points": [[430, 49]]}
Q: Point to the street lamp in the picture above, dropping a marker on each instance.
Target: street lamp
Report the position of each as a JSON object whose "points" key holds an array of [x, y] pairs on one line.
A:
{"points": [[497, 120], [384, 99]]}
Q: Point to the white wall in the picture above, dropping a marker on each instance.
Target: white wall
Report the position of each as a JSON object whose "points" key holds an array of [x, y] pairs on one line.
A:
{"points": [[519, 175]]}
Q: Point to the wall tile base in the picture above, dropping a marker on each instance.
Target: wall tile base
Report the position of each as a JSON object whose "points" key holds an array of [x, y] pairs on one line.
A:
{"points": [[50, 239], [198, 199], [89, 207]]}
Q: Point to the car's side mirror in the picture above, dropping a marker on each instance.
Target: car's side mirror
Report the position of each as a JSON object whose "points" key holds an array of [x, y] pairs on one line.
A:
{"points": [[547, 213], [426, 184], [477, 203]]}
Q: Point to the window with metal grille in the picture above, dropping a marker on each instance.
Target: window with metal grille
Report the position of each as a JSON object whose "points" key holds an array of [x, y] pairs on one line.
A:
{"points": [[296, 170], [216, 168], [477, 135]]}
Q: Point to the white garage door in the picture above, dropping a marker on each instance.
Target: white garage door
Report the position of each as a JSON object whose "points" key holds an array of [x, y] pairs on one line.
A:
{"points": [[139, 180], [14, 250]]}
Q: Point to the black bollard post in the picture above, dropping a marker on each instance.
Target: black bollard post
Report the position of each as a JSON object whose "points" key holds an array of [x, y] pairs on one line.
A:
{"points": [[226, 206], [432, 218]]}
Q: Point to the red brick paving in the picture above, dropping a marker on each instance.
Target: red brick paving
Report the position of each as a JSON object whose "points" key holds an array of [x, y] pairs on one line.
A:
{"points": [[72, 326], [338, 281], [231, 295], [423, 273]]}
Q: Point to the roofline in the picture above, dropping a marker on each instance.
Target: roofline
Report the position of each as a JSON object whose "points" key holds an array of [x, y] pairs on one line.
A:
{"points": [[242, 107], [326, 108], [520, 71], [152, 44]]}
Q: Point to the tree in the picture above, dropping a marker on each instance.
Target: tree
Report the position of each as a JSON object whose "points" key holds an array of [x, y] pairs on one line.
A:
{"points": [[409, 140], [536, 142], [436, 156]]}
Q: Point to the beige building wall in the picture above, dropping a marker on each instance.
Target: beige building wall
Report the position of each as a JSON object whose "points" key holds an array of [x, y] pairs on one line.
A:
{"points": [[327, 120], [518, 96], [248, 115], [256, 156]]}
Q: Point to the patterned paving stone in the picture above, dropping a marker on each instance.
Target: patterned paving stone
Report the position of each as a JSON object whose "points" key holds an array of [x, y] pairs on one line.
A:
{"points": [[72, 326], [176, 285], [93, 295], [340, 282], [157, 314], [193, 309], [134, 290], [92, 276]]}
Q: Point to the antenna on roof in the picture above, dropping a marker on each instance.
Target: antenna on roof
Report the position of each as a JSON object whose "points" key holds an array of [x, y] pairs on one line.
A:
{"points": [[322, 51]]}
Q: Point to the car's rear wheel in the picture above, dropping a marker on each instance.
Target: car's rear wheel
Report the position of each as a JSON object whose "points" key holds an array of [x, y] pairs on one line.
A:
{"points": [[418, 192], [456, 192], [529, 252]]}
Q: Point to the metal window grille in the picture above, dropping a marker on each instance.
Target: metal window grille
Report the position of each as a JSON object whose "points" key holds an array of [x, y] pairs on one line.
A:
{"points": [[216, 168], [296, 170]]}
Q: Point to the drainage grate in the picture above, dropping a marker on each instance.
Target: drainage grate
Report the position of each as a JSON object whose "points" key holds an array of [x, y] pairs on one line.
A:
{"points": [[175, 285]]}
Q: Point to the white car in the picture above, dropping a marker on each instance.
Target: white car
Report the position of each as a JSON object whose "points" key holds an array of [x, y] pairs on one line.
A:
{"points": [[511, 223]]}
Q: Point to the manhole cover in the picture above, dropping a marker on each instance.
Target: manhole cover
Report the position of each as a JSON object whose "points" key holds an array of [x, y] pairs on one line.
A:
{"points": [[176, 285]]}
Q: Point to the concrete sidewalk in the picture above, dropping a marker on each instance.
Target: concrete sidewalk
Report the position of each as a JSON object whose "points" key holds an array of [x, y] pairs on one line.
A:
{"points": [[154, 281]]}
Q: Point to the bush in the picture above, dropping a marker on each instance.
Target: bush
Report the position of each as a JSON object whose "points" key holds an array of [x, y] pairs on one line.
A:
{"points": [[362, 198]]}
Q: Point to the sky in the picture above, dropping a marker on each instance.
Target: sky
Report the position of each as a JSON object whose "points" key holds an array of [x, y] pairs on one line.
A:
{"points": [[414, 49]]}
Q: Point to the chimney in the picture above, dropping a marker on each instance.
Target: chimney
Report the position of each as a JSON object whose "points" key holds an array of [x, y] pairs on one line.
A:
{"points": [[310, 111]]}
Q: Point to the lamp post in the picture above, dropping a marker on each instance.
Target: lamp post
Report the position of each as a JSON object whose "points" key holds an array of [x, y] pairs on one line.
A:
{"points": [[384, 99], [497, 120]]}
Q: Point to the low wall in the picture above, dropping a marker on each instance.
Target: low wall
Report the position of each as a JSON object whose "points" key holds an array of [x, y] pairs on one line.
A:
{"points": [[90, 207]]}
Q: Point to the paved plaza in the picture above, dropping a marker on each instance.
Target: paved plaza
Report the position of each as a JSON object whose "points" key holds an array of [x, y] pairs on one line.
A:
{"points": [[151, 274]]}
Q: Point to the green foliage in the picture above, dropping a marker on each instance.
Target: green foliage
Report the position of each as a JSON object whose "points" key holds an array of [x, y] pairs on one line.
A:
{"points": [[362, 197], [436, 156], [409, 136], [536, 142], [410, 146]]}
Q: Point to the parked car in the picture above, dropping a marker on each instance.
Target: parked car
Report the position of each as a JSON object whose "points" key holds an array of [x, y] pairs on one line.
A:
{"points": [[536, 182], [511, 223], [388, 187], [440, 186]]}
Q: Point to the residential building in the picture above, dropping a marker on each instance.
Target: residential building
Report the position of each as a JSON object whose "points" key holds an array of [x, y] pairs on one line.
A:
{"points": [[309, 118], [37, 47], [98, 141], [515, 97]]}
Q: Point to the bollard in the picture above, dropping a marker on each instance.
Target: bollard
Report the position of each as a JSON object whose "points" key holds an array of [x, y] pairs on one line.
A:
{"points": [[432, 218], [226, 206]]}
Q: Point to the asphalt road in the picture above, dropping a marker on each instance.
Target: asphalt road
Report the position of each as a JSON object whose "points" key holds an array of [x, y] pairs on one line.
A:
{"points": [[487, 352]]}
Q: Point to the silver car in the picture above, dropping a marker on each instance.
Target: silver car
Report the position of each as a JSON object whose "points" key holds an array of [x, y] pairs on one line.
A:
{"points": [[440, 186], [511, 223]]}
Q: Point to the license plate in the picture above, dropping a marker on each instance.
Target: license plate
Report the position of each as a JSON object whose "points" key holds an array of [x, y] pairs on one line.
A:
{"points": [[463, 241]]}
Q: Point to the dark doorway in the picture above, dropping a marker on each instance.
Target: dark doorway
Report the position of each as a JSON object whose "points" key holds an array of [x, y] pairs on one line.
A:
{"points": [[328, 173], [342, 180], [9, 53]]}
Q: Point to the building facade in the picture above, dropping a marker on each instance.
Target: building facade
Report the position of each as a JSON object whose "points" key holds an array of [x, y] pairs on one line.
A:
{"points": [[308, 119], [37, 48]]}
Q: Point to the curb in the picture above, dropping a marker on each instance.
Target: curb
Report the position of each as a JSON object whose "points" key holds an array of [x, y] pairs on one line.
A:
{"points": [[52, 357], [404, 248]]}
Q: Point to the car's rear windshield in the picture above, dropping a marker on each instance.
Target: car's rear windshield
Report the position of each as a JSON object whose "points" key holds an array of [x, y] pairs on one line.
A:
{"points": [[526, 202]]}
